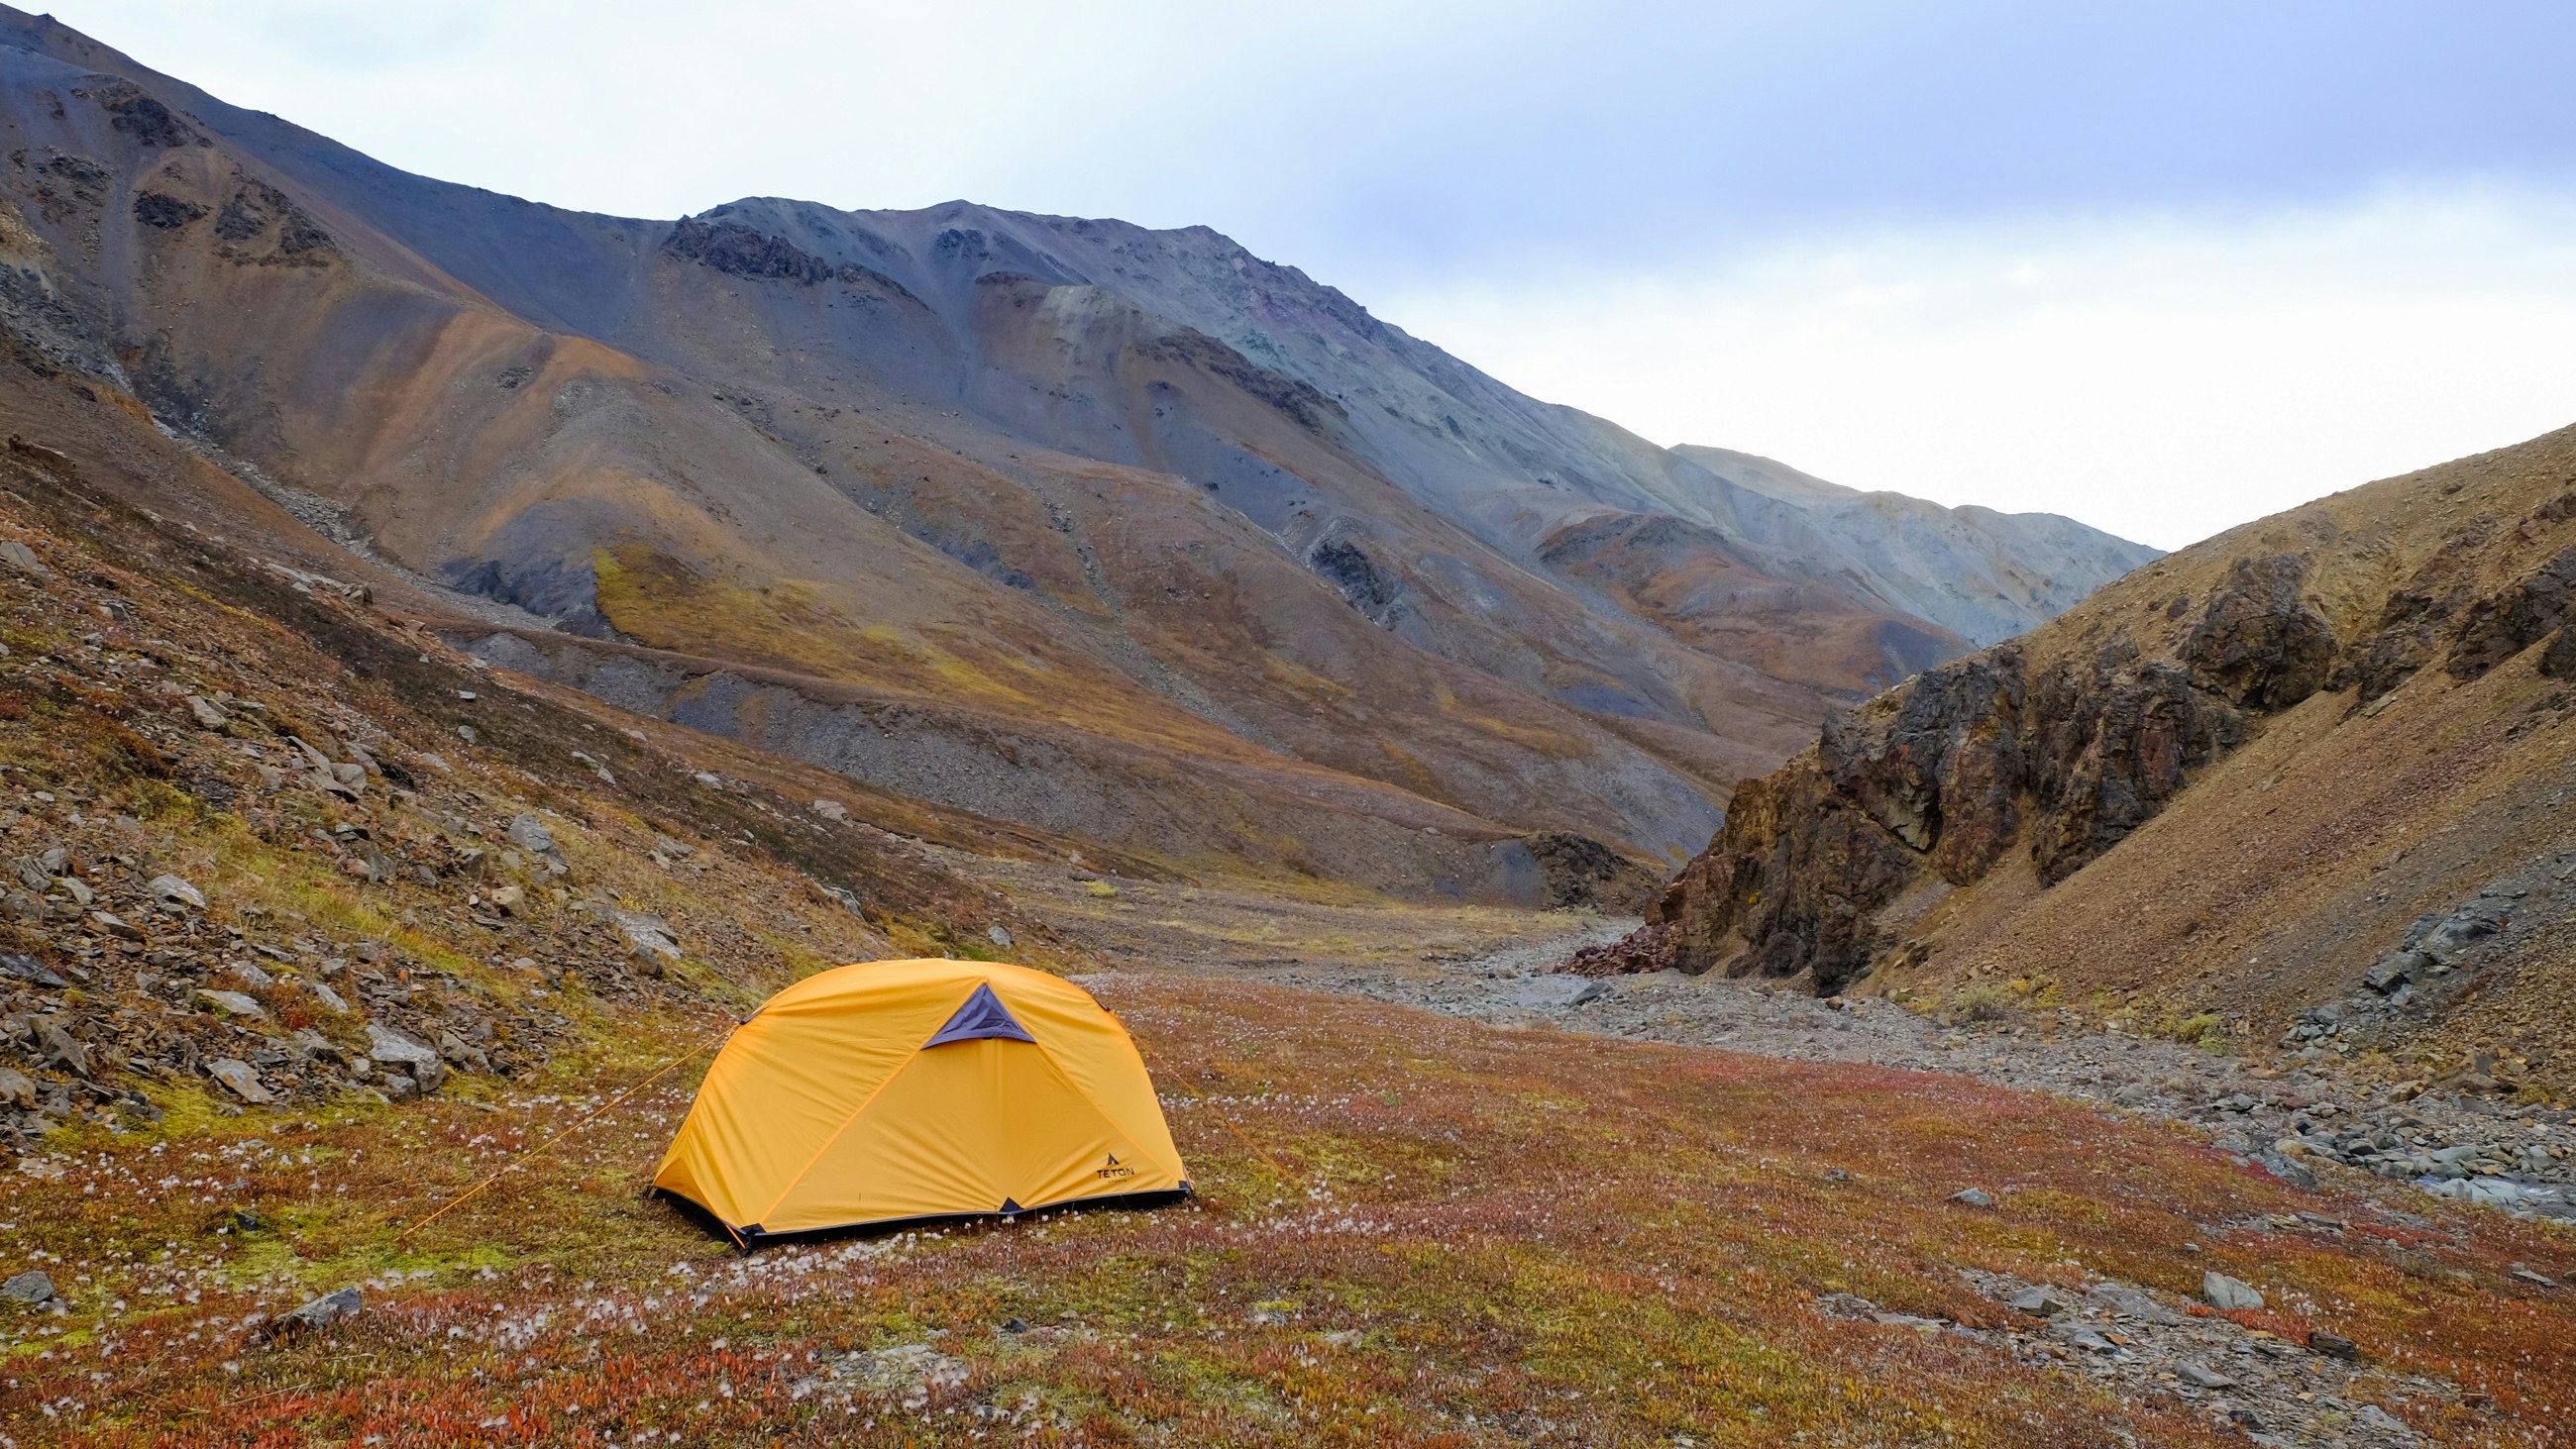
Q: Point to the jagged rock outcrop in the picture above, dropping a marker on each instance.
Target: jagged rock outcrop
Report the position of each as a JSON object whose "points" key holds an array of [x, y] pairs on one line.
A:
{"points": [[2062, 744], [2259, 644], [2504, 624], [1938, 779]]}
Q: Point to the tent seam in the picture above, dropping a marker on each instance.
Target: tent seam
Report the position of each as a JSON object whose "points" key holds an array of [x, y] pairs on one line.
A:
{"points": [[857, 1112]]}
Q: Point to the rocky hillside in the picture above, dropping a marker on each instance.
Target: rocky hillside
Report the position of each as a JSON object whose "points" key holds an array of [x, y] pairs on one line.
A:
{"points": [[1118, 533], [2306, 779]]}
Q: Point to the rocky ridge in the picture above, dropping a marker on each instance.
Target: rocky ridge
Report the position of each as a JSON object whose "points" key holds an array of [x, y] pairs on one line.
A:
{"points": [[2019, 767]]}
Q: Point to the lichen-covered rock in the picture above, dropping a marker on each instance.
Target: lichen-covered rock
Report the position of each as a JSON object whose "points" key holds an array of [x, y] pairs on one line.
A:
{"points": [[2514, 618], [2558, 661], [2416, 618], [2258, 643], [2108, 750]]}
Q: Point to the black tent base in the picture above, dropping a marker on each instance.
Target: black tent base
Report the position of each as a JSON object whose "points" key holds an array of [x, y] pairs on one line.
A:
{"points": [[754, 1237]]}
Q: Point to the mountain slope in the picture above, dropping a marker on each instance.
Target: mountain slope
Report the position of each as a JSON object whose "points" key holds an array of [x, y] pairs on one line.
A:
{"points": [[1981, 574], [2308, 778], [1120, 532]]}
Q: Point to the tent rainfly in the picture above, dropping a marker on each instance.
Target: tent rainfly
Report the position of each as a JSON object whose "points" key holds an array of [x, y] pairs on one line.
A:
{"points": [[894, 1091]]}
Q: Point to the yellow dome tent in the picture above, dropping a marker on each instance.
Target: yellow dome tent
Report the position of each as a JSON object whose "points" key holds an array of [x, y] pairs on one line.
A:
{"points": [[890, 1091]]}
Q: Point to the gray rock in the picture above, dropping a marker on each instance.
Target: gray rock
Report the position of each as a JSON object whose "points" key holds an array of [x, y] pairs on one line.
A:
{"points": [[241, 1077], [2288, 1169], [2221, 1291], [17, 1089], [999, 936], [1974, 1197], [2131, 1303], [328, 997], [2334, 1346], [430, 1075], [29, 1287], [832, 810], [322, 1312], [2469, 924], [28, 968], [2371, 1416], [1547, 991], [2089, 1340], [385, 1044], [2396, 969], [646, 935], [116, 925], [59, 1048], [230, 1003], [531, 835], [20, 557], [2040, 1301], [2201, 1377], [210, 715]]}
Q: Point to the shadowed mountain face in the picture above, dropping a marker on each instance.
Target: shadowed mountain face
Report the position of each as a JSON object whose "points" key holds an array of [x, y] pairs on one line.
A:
{"points": [[1122, 533]]}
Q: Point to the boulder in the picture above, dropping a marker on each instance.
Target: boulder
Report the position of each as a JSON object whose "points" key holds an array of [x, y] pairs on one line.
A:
{"points": [[2223, 1292], [28, 968], [1540, 992], [17, 1089], [384, 1044], [21, 558], [530, 834], [209, 715], [241, 1077], [57, 1047], [2131, 1303], [646, 935], [322, 1312], [230, 1003], [430, 1075], [2040, 1301], [31, 1287], [172, 892], [116, 925], [1973, 1197], [2396, 969]]}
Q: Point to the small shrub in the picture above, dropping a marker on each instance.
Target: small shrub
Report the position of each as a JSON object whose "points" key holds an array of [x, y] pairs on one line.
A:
{"points": [[1981, 1003]]}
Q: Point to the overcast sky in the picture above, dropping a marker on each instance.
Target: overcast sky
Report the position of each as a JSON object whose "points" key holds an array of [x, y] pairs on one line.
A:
{"points": [[2164, 267]]}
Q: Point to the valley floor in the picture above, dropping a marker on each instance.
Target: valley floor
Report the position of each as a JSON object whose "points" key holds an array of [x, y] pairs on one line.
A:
{"points": [[272, 1007], [1411, 1229]]}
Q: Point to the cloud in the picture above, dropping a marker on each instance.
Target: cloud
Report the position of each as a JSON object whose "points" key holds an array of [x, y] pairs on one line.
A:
{"points": [[2163, 376]]}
